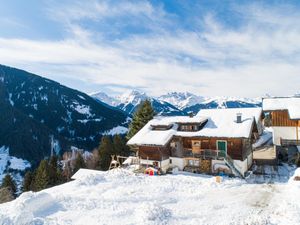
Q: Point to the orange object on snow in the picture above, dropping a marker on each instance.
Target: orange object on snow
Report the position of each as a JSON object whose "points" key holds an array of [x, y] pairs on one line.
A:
{"points": [[150, 171]]}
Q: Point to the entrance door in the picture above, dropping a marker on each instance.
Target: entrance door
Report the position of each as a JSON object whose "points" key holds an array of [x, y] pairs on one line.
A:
{"points": [[222, 147]]}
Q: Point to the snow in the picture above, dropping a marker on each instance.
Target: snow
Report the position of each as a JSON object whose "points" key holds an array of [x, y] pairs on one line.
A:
{"points": [[10, 100], [133, 97], [90, 120], [221, 123], [116, 130], [181, 99], [103, 97], [292, 104], [83, 109], [265, 138], [8, 163], [121, 197]]}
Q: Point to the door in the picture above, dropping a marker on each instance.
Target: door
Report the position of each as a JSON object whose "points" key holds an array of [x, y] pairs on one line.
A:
{"points": [[222, 147]]}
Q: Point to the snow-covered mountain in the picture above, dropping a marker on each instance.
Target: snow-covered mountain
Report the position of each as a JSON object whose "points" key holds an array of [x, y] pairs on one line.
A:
{"points": [[175, 103], [182, 100], [103, 97], [130, 101], [223, 102], [33, 109]]}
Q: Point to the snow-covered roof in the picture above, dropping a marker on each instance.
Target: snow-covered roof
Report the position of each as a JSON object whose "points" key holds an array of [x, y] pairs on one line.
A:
{"points": [[232, 113], [220, 123], [223, 122], [292, 104], [148, 136]]}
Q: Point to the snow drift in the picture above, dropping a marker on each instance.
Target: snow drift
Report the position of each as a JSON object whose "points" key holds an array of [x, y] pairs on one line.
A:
{"points": [[121, 197]]}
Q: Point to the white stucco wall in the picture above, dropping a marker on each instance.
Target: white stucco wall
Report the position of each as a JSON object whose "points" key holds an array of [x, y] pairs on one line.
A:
{"points": [[285, 133], [242, 166], [177, 162]]}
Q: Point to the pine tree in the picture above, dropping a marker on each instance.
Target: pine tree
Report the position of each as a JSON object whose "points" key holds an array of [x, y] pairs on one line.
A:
{"points": [[6, 195], [79, 163], [142, 116], [120, 147], [27, 182], [53, 169], [8, 182], [42, 177], [105, 152], [67, 171]]}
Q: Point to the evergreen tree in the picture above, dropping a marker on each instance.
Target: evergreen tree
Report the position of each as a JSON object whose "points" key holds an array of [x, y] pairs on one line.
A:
{"points": [[8, 182], [42, 177], [120, 147], [79, 163], [53, 169], [142, 116], [67, 171], [27, 181], [105, 152], [6, 195]]}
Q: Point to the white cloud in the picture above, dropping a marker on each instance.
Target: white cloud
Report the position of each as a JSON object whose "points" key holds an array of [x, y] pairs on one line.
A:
{"points": [[260, 56]]}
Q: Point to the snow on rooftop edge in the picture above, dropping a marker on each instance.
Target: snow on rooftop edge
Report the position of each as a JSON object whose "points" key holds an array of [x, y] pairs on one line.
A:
{"points": [[221, 123], [292, 104]]}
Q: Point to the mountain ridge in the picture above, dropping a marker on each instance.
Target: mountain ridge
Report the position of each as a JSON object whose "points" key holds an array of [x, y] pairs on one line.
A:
{"points": [[182, 103], [35, 108]]}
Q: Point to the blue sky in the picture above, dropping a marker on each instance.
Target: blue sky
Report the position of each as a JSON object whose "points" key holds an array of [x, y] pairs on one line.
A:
{"points": [[224, 48]]}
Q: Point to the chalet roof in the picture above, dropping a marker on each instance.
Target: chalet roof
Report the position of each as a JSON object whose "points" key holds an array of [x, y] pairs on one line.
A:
{"points": [[292, 104], [220, 123], [223, 122], [148, 136]]}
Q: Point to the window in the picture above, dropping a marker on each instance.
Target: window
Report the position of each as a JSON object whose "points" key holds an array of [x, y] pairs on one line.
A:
{"points": [[186, 127]]}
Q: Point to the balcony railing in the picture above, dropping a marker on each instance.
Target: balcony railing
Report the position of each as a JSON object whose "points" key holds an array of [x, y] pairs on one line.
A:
{"points": [[205, 154], [286, 142]]}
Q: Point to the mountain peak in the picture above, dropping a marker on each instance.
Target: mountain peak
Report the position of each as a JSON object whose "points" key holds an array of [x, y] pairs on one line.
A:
{"points": [[181, 99]]}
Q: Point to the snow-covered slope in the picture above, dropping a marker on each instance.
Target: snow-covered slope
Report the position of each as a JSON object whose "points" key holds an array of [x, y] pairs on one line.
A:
{"points": [[13, 165], [33, 108], [120, 197]]}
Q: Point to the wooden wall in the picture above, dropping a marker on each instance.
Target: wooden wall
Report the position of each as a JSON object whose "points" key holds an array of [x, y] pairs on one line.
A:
{"points": [[281, 118], [154, 153], [235, 147]]}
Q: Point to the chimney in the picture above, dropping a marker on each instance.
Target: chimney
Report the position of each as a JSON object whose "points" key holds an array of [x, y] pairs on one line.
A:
{"points": [[191, 114], [239, 117]]}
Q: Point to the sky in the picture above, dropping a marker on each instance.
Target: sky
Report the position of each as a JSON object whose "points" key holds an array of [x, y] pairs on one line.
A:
{"points": [[207, 47]]}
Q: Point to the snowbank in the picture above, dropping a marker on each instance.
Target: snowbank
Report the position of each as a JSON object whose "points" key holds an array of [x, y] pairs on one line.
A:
{"points": [[121, 197]]}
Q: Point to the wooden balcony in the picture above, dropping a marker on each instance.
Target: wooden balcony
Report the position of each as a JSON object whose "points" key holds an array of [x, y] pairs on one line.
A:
{"points": [[286, 142], [204, 154]]}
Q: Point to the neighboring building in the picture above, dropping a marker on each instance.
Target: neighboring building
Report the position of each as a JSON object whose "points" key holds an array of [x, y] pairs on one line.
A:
{"points": [[284, 114], [214, 140]]}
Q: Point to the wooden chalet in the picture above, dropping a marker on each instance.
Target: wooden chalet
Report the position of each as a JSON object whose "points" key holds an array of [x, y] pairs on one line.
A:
{"points": [[214, 140]]}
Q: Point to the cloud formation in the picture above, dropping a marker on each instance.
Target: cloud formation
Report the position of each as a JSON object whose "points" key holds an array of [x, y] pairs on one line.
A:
{"points": [[116, 45]]}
